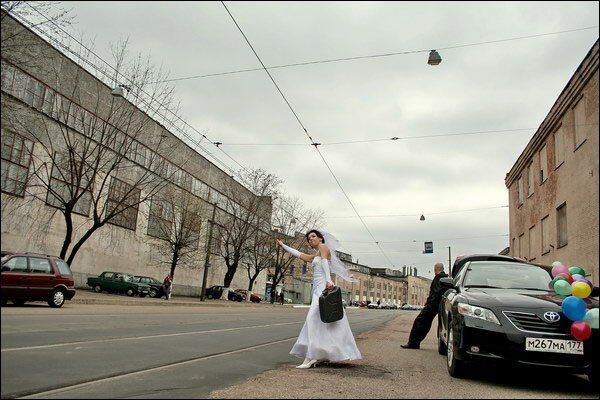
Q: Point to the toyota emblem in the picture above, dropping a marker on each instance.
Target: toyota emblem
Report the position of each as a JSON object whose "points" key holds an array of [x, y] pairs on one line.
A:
{"points": [[551, 316]]}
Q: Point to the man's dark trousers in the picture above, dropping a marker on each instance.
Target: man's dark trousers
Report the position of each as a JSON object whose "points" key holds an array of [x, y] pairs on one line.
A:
{"points": [[423, 322]]}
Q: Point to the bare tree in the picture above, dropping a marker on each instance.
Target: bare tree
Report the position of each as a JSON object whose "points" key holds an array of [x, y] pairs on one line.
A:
{"points": [[92, 152], [259, 257], [290, 221], [176, 217], [245, 213]]}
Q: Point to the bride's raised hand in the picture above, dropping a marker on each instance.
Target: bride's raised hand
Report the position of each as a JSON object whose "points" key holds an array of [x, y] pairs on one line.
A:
{"points": [[278, 242]]}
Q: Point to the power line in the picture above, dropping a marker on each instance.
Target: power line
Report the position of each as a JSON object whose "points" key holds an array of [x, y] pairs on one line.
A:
{"points": [[333, 60], [433, 240], [418, 214], [306, 132]]}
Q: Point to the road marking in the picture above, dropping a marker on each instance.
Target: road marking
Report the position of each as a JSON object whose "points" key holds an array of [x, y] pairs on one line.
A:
{"points": [[46, 346], [162, 367]]}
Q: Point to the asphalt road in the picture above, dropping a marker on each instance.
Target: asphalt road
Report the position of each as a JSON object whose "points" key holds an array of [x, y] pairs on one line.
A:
{"points": [[109, 351]]}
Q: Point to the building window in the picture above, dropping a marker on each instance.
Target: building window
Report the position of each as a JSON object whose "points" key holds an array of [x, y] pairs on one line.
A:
{"points": [[532, 243], [543, 164], [561, 225], [530, 180], [581, 129], [521, 243], [559, 147], [67, 182], [160, 220], [545, 234], [16, 154], [123, 200], [520, 190]]}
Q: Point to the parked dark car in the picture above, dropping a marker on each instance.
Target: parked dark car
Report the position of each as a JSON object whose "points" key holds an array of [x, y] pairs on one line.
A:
{"points": [[253, 296], [35, 277], [118, 282], [461, 261], [156, 286], [215, 292], [504, 312]]}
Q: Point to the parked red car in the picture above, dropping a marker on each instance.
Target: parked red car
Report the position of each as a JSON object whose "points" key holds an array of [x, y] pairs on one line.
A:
{"points": [[253, 297], [35, 277]]}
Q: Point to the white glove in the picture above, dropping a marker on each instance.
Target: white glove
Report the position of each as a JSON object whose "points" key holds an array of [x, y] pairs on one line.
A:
{"points": [[292, 251], [325, 264]]}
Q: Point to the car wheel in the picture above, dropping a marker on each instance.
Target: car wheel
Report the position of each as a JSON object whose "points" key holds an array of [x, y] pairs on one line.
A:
{"points": [[210, 295], [441, 345], [57, 298], [153, 293], [130, 292], [98, 289], [455, 367], [592, 377], [18, 302], [143, 295]]}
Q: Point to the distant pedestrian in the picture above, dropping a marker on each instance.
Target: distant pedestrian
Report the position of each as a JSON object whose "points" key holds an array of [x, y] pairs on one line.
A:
{"points": [[168, 286], [378, 303], [281, 297], [423, 322]]}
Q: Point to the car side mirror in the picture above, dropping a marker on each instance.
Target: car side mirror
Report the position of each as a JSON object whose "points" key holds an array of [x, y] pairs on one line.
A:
{"points": [[447, 283]]}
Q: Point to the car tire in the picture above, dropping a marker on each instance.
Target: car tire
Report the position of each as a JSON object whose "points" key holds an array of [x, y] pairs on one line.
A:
{"points": [[98, 289], [57, 298], [18, 302], [592, 377], [153, 293], [441, 345], [456, 367], [130, 292], [210, 296], [142, 295]]}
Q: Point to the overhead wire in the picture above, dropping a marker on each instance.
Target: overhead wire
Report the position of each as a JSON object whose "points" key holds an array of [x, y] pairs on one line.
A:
{"points": [[423, 213], [333, 60], [305, 131]]}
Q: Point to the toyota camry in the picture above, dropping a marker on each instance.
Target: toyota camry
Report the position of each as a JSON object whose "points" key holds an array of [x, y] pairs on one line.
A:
{"points": [[505, 312]]}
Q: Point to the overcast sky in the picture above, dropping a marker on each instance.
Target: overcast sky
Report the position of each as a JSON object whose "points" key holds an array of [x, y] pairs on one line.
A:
{"points": [[499, 86]]}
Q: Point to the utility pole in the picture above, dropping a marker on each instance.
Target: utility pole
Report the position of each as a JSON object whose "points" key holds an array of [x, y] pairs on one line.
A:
{"points": [[449, 261], [208, 246]]}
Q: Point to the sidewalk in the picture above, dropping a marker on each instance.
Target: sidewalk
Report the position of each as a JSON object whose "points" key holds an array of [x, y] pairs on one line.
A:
{"points": [[84, 296], [388, 371]]}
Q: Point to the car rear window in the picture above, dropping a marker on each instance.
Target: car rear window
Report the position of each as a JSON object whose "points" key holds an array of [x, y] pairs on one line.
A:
{"points": [[63, 267]]}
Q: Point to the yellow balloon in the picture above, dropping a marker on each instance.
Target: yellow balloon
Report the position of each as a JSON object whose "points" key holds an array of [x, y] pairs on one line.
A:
{"points": [[581, 290]]}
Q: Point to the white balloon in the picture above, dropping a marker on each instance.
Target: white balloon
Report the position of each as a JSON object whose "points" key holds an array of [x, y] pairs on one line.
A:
{"points": [[591, 317]]}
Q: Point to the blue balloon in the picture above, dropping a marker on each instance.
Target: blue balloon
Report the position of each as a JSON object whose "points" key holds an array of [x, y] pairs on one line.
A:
{"points": [[574, 308]]}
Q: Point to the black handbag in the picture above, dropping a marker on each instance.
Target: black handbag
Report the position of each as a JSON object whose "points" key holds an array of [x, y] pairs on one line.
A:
{"points": [[330, 305]]}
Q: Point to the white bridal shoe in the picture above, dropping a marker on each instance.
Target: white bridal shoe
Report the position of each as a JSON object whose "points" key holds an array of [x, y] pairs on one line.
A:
{"points": [[305, 365]]}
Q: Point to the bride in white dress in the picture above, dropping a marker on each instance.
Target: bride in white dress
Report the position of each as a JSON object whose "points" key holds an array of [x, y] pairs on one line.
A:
{"points": [[319, 341]]}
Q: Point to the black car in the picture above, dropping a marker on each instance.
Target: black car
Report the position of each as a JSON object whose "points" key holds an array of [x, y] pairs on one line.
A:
{"points": [[504, 312], [461, 261], [156, 287], [215, 292]]}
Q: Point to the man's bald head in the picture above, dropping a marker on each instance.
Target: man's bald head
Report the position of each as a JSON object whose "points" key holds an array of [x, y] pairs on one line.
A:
{"points": [[438, 267]]}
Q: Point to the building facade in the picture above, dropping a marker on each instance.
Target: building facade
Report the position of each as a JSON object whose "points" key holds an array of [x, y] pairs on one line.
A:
{"points": [[45, 92], [553, 186]]}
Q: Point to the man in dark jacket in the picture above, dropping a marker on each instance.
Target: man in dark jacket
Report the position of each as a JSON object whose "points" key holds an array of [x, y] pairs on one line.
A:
{"points": [[423, 322]]}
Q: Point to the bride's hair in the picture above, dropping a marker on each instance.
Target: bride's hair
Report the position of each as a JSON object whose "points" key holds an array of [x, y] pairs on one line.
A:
{"points": [[316, 232]]}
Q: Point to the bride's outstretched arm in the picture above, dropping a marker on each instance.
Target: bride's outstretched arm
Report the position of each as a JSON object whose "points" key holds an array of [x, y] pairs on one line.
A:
{"points": [[296, 253]]}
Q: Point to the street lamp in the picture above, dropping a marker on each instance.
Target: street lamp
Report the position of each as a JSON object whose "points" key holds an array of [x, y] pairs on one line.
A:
{"points": [[422, 217], [118, 90], [434, 58]]}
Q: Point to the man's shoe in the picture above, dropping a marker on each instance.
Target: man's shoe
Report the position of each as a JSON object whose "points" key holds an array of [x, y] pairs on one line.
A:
{"points": [[410, 346]]}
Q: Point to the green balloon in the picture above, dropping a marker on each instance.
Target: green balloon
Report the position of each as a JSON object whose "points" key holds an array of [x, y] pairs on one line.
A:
{"points": [[563, 288], [576, 270], [559, 278], [591, 317]]}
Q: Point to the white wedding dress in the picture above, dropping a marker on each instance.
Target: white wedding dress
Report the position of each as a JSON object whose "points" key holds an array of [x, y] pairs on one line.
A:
{"points": [[324, 341]]}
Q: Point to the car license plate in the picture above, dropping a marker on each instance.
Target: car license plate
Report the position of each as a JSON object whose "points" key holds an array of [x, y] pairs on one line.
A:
{"points": [[554, 345]]}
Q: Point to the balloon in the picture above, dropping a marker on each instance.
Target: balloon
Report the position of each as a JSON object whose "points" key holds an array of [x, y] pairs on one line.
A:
{"points": [[581, 289], [576, 270], [591, 317], [574, 308], [559, 269], [590, 284], [576, 277], [562, 287], [559, 278], [555, 263], [581, 330], [568, 277]]}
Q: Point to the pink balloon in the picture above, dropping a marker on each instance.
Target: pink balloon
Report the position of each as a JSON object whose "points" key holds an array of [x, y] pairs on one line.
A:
{"points": [[559, 269], [581, 330]]}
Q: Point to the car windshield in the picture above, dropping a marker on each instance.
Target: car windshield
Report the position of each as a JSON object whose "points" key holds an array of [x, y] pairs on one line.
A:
{"points": [[135, 279], [506, 275]]}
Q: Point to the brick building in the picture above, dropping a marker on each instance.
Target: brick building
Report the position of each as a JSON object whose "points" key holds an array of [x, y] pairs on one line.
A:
{"points": [[553, 185]]}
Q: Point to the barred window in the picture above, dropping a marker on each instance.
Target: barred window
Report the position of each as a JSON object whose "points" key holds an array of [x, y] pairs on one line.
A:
{"points": [[16, 154], [34, 93], [160, 221], [66, 182], [123, 201]]}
